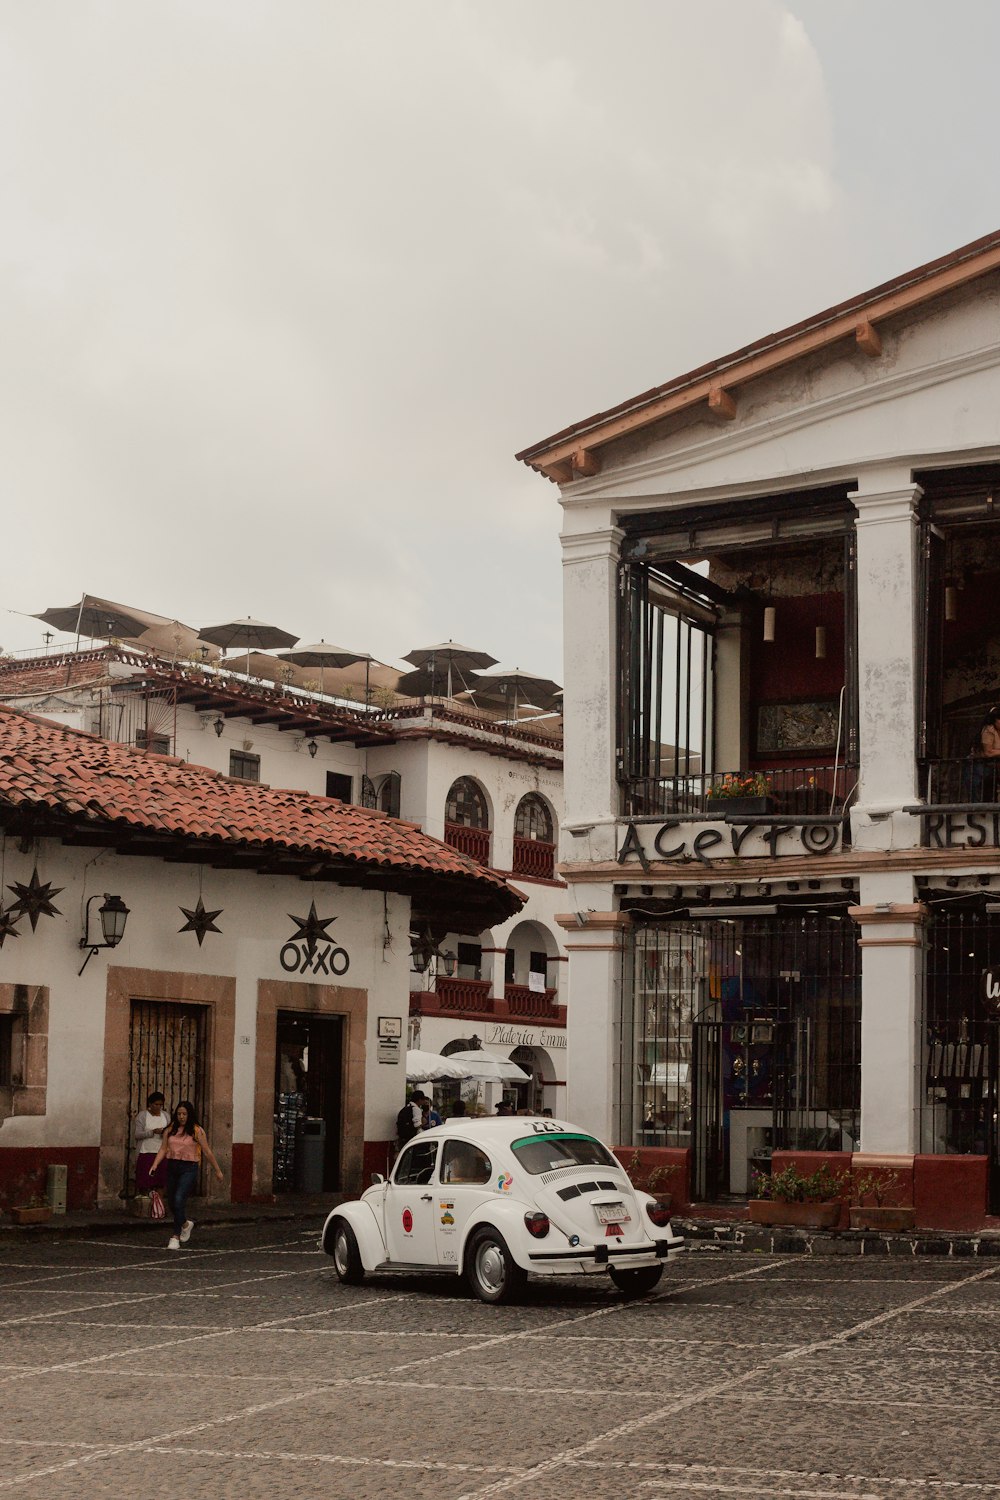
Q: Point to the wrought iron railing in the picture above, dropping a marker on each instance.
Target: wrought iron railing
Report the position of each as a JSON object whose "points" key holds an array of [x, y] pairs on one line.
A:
{"points": [[786, 791], [533, 857], [475, 842], [522, 1001], [966, 778]]}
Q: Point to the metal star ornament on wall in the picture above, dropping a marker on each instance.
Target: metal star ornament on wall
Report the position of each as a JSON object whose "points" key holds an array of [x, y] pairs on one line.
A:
{"points": [[35, 900], [8, 925], [311, 929], [200, 921]]}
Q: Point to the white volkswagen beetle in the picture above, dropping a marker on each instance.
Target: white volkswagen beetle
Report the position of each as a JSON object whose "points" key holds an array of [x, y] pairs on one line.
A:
{"points": [[496, 1200]]}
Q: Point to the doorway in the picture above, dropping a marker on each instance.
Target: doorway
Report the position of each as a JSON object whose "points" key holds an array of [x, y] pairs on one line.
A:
{"points": [[167, 1044], [308, 1097]]}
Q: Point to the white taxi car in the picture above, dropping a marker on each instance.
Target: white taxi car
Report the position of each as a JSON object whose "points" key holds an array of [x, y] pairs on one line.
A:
{"points": [[496, 1200]]}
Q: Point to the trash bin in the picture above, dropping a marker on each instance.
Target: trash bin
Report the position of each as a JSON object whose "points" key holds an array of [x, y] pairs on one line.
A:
{"points": [[310, 1150]]}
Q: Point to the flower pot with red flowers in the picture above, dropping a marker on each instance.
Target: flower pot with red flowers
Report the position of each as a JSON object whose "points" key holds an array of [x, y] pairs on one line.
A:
{"points": [[743, 794]]}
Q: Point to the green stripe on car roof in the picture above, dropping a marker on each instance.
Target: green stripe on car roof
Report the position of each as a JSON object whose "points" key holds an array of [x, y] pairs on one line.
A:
{"points": [[550, 1135]]}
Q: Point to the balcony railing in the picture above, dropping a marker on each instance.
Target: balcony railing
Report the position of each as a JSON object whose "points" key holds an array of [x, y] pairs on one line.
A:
{"points": [[533, 857], [463, 994], [792, 791], [522, 1001], [966, 778], [475, 842]]}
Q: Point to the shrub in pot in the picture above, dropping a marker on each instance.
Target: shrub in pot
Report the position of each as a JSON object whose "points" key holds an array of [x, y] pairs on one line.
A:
{"points": [[654, 1180], [875, 1202], [803, 1200]]}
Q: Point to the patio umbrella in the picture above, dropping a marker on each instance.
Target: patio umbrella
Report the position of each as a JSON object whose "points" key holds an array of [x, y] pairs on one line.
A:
{"points": [[507, 689], [431, 1067], [97, 618], [249, 635], [425, 680], [323, 655], [486, 1066], [451, 656]]}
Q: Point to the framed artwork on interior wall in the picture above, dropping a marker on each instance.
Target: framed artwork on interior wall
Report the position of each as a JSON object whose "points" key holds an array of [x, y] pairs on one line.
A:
{"points": [[797, 728]]}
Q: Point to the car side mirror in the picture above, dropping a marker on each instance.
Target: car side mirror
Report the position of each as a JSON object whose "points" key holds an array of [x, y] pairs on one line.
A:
{"points": [[377, 1178]]}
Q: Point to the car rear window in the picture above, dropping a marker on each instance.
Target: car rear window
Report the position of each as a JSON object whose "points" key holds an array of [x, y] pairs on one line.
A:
{"points": [[547, 1153]]}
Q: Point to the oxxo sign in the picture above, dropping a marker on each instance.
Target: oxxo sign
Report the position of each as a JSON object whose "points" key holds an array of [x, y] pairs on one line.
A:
{"points": [[295, 958], [769, 837]]}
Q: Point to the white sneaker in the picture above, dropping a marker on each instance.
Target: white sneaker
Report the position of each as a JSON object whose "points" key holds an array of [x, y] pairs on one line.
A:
{"points": [[173, 1243], [186, 1229]]}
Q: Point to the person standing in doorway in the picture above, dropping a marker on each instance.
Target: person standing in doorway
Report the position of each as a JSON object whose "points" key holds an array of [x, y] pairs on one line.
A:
{"points": [[147, 1132], [183, 1145]]}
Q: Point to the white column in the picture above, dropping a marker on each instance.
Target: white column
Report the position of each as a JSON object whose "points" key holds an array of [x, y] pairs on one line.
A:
{"points": [[887, 686], [892, 956], [593, 1038], [590, 631]]}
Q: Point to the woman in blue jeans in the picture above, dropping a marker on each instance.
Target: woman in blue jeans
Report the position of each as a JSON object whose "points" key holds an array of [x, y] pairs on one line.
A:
{"points": [[183, 1145]]}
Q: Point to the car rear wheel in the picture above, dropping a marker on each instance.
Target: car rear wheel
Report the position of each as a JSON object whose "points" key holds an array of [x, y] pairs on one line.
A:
{"points": [[345, 1252], [637, 1283], [491, 1270]]}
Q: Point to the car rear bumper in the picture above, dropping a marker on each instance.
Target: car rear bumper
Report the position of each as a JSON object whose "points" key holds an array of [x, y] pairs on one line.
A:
{"points": [[590, 1259]]}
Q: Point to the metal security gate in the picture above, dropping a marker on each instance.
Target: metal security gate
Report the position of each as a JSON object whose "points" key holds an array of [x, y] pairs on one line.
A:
{"points": [[959, 1113], [742, 1036], [167, 1052]]}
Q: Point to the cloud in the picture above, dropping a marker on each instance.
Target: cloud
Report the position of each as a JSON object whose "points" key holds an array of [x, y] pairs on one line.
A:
{"points": [[284, 285]]}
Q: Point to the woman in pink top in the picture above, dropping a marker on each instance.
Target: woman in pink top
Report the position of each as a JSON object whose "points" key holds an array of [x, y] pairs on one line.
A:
{"points": [[183, 1144]]}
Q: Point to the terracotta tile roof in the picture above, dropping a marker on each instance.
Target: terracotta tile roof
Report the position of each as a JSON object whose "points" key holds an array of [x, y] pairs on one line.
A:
{"points": [[69, 784]]}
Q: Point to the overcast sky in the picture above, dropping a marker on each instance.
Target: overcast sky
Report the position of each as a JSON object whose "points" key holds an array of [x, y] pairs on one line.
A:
{"points": [[285, 283]]}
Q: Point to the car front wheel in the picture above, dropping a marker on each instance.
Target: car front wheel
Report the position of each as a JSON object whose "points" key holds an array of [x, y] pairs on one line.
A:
{"points": [[491, 1270], [637, 1283], [346, 1255]]}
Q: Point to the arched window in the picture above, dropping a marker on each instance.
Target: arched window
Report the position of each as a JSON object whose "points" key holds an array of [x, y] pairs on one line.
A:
{"points": [[533, 819], [388, 794], [466, 807]]}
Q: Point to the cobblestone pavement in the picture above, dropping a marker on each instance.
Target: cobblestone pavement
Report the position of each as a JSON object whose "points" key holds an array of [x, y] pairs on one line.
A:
{"points": [[239, 1367]]}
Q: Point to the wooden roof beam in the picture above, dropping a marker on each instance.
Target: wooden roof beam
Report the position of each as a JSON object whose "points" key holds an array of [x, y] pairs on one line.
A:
{"points": [[867, 339], [722, 403], [585, 464]]}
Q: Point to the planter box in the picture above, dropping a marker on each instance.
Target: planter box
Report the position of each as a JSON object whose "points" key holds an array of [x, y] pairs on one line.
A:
{"points": [[892, 1220], [740, 807], [30, 1215], [795, 1215]]}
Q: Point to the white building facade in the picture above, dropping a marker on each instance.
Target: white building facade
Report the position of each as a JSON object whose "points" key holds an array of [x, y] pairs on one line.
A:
{"points": [[781, 814]]}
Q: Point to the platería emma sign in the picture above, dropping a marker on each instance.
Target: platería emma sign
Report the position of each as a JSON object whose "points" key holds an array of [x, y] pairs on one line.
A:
{"points": [[761, 838]]}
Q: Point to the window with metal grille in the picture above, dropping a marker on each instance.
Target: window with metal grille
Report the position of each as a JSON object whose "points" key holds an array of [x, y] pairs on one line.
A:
{"points": [[466, 807], [532, 820], [159, 744], [244, 766]]}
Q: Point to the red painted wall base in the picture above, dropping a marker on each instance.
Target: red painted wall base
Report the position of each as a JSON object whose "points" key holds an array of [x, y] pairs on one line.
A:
{"points": [[241, 1190], [378, 1157], [23, 1168]]}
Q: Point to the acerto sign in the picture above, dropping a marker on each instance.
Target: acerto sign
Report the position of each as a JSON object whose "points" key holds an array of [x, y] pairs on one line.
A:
{"points": [[646, 841], [991, 987]]}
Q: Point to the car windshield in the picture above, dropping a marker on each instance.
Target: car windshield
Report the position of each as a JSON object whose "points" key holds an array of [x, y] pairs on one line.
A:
{"points": [[547, 1153]]}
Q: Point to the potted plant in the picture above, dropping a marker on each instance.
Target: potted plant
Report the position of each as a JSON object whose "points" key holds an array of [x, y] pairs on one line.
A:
{"points": [[746, 792], [803, 1200], [650, 1179], [874, 1202], [35, 1211]]}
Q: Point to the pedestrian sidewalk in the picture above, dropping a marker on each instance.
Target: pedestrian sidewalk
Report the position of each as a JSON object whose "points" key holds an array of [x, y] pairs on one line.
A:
{"points": [[307, 1208]]}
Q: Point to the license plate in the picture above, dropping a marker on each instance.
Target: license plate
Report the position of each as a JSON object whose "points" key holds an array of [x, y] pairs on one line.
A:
{"points": [[612, 1213]]}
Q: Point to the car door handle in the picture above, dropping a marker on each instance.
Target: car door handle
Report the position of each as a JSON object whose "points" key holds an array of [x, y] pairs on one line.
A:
{"points": [[427, 1197]]}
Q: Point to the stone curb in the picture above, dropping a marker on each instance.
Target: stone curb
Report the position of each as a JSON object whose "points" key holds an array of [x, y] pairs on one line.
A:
{"points": [[703, 1234], [75, 1227]]}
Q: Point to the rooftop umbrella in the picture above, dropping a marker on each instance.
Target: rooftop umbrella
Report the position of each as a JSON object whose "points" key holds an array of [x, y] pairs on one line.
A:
{"points": [[509, 689], [250, 635], [424, 680], [323, 655], [97, 618], [484, 1065], [431, 1067], [451, 656]]}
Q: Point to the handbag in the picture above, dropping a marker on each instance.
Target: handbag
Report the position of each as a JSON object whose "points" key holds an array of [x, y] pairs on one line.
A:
{"points": [[157, 1207]]}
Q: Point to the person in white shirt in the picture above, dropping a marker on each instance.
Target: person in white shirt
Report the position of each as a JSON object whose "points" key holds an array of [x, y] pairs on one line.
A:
{"points": [[147, 1128]]}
